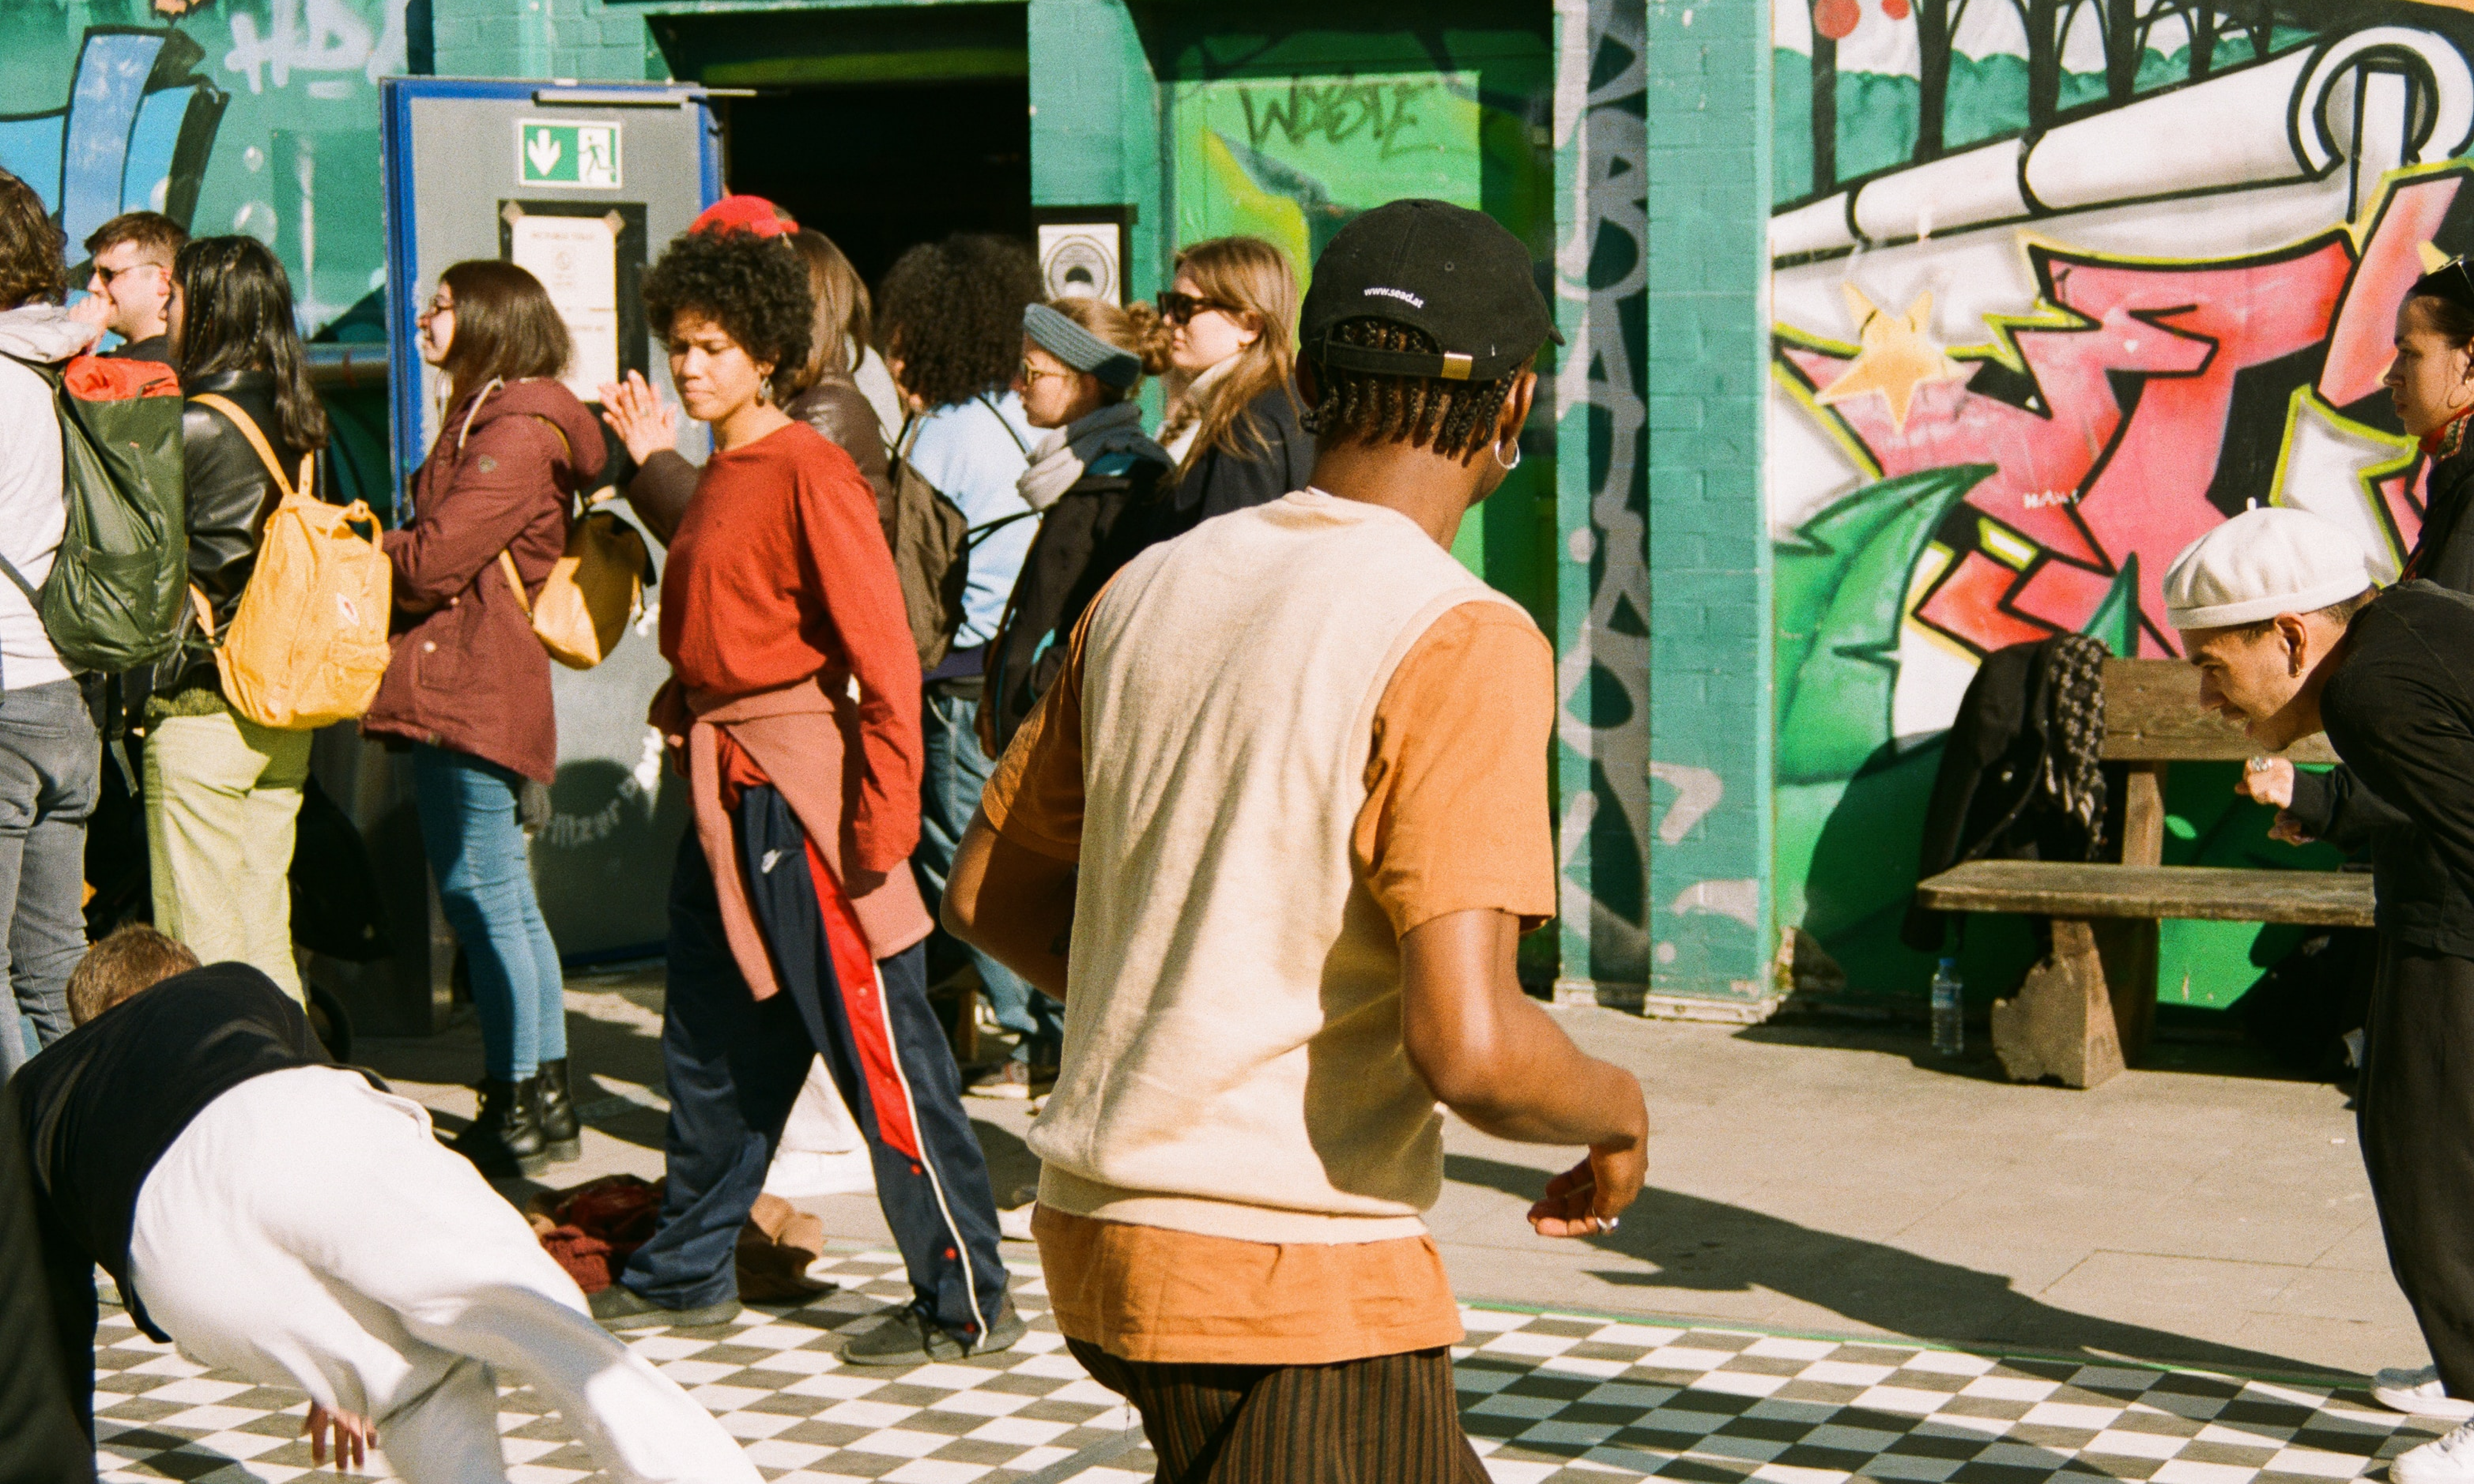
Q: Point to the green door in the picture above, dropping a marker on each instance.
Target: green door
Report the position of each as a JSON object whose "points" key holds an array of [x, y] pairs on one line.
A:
{"points": [[1285, 125]]}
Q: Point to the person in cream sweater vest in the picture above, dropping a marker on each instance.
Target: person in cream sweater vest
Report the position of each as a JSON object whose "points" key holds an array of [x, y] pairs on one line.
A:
{"points": [[1273, 835]]}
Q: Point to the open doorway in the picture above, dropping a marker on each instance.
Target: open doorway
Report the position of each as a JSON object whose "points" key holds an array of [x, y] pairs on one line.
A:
{"points": [[879, 166]]}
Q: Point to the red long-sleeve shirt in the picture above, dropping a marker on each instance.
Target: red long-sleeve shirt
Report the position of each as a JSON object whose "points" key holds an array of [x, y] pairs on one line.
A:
{"points": [[779, 571]]}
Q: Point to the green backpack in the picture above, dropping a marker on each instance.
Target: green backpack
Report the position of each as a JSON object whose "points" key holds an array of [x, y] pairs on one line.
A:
{"points": [[112, 599]]}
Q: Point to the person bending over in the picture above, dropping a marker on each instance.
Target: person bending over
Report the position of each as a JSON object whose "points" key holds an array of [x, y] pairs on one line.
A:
{"points": [[2276, 611], [291, 1220], [1298, 758]]}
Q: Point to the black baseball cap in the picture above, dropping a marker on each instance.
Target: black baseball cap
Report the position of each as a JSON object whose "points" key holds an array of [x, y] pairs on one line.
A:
{"points": [[1453, 272]]}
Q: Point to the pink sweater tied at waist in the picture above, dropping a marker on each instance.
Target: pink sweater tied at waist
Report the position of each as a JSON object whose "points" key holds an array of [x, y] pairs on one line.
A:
{"points": [[803, 737]]}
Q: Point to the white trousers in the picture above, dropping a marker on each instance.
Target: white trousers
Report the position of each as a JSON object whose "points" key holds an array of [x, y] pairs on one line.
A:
{"points": [[308, 1231]]}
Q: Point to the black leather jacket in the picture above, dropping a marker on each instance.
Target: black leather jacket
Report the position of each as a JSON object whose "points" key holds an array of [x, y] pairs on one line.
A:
{"points": [[229, 496], [1277, 458]]}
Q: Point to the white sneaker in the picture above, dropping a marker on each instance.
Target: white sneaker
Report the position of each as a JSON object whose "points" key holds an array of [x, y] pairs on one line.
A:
{"points": [[2418, 1393], [797, 1173], [1014, 1225], [2447, 1459]]}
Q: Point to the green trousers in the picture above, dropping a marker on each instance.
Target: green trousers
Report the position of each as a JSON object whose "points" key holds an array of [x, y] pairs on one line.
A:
{"points": [[222, 793]]}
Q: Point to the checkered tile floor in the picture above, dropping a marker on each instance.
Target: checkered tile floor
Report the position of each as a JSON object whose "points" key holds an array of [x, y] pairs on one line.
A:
{"points": [[1547, 1399]]}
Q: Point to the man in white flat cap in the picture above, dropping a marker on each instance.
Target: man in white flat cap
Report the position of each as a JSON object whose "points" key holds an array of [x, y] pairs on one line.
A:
{"points": [[2275, 608]]}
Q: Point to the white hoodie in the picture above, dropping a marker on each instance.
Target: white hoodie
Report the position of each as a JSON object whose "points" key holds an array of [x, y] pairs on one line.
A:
{"points": [[31, 513]]}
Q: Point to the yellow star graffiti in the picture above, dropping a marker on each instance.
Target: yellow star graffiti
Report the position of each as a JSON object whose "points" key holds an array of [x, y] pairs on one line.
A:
{"points": [[1894, 358]]}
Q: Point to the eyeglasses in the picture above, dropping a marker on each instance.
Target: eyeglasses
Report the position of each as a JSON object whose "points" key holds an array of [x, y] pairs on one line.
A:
{"points": [[1178, 308], [111, 275], [1032, 375], [438, 306]]}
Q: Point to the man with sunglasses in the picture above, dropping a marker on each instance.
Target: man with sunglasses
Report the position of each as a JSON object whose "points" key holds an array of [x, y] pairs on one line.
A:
{"points": [[130, 289]]}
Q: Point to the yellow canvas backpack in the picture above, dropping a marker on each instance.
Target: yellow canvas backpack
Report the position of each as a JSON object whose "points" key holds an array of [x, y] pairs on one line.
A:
{"points": [[308, 644], [594, 589]]}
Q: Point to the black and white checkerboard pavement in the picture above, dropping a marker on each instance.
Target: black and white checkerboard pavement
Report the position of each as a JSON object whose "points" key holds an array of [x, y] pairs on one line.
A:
{"points": [[1548, 1399]]}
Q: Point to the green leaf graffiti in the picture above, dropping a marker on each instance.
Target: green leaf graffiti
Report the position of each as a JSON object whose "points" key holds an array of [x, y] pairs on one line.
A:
{"points": [[1841, 586]]}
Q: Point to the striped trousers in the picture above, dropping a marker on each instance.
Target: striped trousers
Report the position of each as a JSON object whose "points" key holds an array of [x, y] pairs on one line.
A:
{"points": [[735, 1067], [1384, 1419]]}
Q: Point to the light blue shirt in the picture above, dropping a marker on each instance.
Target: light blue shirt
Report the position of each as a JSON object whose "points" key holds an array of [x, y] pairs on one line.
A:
{"points": [[974, 459]]}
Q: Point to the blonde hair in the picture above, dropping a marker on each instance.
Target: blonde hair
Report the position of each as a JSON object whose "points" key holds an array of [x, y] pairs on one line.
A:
{"points": [[843, 325], [1136, 329], [134, 957], [1254, 277]]}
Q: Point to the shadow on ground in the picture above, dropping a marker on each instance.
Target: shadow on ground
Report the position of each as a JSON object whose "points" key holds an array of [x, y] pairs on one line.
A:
{"points": [[2219, 1054], [1704, 1246]]}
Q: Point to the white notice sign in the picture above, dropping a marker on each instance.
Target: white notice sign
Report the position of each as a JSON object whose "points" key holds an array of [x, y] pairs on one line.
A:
{"points": [[576, 259]]}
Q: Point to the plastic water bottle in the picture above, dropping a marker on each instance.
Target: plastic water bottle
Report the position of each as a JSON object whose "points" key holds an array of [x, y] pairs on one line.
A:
{"points": [[1949, 1010]]}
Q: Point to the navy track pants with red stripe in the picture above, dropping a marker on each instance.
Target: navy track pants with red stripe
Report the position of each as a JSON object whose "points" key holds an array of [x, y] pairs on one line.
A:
{"points": [[734, 1067]]}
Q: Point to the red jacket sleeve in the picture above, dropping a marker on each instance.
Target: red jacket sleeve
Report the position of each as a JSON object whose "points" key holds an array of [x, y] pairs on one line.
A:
{"points": [[863, 600], [505, 480]]}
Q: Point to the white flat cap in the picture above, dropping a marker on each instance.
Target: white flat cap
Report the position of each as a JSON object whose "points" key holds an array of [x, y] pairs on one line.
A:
{"points": [[2261, 564]]}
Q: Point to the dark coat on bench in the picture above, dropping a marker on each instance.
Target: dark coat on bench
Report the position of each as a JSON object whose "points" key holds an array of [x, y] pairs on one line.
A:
{"points": [[1989, 799]]}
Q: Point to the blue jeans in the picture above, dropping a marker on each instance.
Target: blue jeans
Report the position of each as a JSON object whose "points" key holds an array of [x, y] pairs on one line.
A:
{"points": [[51, 764], [957, 775], [734, 1064], [485, 883]]}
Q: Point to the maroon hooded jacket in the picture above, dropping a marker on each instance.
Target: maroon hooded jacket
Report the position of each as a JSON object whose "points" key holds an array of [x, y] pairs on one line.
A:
{"points": [[468, 673]]}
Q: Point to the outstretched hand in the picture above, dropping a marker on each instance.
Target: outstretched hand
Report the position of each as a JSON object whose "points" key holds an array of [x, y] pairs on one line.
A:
{"points": [[352, 1433], [1587, 1199], [636, 412]]}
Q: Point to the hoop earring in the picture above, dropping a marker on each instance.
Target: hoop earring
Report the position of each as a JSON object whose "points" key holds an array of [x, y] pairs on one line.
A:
{"points": [[1496, 449]]}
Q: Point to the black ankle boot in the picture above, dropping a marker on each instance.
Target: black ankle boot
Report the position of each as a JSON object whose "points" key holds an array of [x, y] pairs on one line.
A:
{"points": [[560, 1134], [505, 1137]]}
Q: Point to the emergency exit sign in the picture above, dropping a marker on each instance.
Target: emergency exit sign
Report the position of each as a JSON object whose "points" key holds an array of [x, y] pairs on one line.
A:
{"points": [[581, 157]]}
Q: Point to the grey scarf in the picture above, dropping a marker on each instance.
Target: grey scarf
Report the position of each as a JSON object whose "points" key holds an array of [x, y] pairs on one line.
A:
{"points": [[1059, 459]]}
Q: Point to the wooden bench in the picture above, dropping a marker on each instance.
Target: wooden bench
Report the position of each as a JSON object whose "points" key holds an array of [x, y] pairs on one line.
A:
{"points": [[2086, 1011]]}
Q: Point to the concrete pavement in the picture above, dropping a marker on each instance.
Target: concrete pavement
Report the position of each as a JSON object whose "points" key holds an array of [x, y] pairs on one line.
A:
{"points": [[1821, 1178]]}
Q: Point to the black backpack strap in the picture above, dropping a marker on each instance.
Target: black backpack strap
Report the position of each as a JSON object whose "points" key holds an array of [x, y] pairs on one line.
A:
{"points": [[998, 414], [976, 534]]}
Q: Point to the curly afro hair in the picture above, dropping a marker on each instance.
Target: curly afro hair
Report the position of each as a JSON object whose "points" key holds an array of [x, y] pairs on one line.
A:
{"points": [[755, 288], [1453, 417], [951, 313]]}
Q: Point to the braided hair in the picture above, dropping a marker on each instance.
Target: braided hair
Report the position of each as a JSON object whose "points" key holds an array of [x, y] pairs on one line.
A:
{"points": [[1453, 418]]}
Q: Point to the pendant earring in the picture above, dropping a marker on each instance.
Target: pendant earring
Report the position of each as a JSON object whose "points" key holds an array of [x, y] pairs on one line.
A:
{"points": [[1498, 450]]}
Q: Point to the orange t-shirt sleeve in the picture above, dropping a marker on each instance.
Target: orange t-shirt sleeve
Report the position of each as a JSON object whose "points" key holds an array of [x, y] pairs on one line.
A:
{"points": [[1458, 815], [1035, 796]]}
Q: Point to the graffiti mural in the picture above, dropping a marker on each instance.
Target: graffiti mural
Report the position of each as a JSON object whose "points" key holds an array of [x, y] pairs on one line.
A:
{"points": [[2056, 287], [1606, 816], [228, 116]]}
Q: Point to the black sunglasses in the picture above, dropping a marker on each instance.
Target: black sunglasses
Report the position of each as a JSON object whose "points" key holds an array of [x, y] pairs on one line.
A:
{"points": [[1178, 308]]}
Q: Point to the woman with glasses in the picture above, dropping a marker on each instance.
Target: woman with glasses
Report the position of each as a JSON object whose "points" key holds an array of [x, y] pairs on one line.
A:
{"points": [[1232, 423], [468, 688], [1094, 479]]}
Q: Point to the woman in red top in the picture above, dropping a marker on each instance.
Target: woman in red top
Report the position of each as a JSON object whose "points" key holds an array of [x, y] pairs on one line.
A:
{"points": [[794, 706], [467, 686]]}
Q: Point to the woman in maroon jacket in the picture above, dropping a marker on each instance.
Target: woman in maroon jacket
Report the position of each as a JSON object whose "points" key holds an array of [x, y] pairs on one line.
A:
{"points": [[469, 685]]}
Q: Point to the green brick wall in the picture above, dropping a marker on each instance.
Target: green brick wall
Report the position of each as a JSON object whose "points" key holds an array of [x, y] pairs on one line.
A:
{"points": [[1707, 116], [585, 40]]}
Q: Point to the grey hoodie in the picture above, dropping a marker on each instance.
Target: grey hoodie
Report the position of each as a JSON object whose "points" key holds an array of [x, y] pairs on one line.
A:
{"points": [[31, 516]]}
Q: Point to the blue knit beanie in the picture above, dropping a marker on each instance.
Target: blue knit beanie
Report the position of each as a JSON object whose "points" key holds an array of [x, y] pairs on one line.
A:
{"points": [[1079, 348]]}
